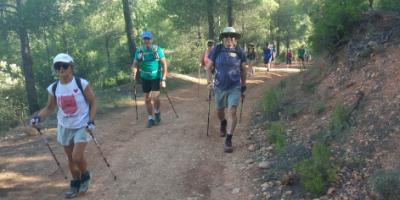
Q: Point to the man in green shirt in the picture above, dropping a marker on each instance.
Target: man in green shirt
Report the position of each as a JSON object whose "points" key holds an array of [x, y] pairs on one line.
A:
{"points": [[301, 52], [150, 60]]}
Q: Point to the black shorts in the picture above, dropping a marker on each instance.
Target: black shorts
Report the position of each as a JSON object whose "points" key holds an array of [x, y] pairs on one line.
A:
{"points": [[301, 58], [150, 85]]}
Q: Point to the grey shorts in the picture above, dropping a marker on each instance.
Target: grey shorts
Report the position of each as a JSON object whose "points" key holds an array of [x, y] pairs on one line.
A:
{"points": [[227, 98], [67, 136]]}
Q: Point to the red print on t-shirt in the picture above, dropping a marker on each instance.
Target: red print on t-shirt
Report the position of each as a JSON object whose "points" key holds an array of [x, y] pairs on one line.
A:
{"points": [[68, 104]]}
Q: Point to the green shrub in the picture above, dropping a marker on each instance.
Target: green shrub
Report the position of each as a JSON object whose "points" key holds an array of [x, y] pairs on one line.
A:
{"points": [[339, 118], [276, 135], [271, 100], [317, 173], [318, 107], [292, 110], [13, 107], [392, 5], [386, 183]]}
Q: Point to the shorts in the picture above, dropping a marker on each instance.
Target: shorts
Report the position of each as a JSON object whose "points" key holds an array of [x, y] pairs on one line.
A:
{"points": [[68, 136], [150, 85], [301, 58], [268, 60], [227, 98]]}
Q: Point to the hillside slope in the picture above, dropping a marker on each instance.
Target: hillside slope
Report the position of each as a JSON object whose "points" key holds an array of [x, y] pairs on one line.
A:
{"points": [[349, 104]]}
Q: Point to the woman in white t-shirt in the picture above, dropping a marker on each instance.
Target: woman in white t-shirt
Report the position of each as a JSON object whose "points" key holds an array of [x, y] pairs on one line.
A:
{"points": [[76, 105]]}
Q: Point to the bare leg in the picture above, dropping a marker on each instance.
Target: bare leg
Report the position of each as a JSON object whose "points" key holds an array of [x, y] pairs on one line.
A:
{"points": [[155, 95], [232, 120], [149, 106]]}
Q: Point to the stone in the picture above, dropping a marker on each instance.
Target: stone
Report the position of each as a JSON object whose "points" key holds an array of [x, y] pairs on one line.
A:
{"points": [[236, 191], [251, 147], [264, 165]]}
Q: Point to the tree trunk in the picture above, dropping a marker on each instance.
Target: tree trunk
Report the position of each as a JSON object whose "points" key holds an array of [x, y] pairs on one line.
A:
{"points": [[128, 29], [230, 13], [210, 15], [27, 65], [107, 46]]}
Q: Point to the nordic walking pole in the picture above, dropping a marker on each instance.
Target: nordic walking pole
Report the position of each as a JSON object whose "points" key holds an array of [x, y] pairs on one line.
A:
{"points": [[209, 108], [51, 151], [133, 84], [166, 94], [241, 109], [102, 155]]}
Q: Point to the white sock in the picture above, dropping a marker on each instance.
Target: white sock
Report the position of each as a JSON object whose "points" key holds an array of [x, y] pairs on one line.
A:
{"points": [[156, 111], [150, 117]]}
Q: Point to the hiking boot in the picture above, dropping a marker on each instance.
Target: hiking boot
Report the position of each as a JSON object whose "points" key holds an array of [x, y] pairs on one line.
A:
{"points": [[222, 129], [158, 118], [228, 144], [150, 123], [85, 182], [73, 190]]}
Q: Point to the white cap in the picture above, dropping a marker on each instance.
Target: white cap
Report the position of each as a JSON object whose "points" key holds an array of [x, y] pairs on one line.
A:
{"points": [[63, 57]]}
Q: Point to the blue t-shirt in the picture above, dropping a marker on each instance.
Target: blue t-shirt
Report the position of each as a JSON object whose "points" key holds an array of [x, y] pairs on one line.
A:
{"points": [[267, 52], [227, 67]]}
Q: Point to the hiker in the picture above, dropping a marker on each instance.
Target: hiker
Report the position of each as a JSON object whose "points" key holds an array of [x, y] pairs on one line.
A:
{"points": [[76, 105], [289, 56], [150, 60], [203, 59], [267, 54], [251, 58], [228, 62], [300, 53]]}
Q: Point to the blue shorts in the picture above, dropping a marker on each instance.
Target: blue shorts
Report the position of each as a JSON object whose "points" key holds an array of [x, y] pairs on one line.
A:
{"points": [[68, 136], [227, 98]]}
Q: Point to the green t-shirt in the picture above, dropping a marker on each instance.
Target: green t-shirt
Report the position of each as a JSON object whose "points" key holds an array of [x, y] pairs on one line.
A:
{"points": [[301, 52], [149, 66]]}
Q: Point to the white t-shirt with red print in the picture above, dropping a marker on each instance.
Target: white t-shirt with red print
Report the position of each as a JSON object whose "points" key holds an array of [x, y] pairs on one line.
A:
{"points": [[73, 110]]}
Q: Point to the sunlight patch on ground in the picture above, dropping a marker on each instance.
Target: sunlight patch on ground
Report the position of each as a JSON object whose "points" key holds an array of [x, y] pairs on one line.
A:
{"points": [[254, 81], [11, 179], [192, 79], [289, 70], [22, 159]]}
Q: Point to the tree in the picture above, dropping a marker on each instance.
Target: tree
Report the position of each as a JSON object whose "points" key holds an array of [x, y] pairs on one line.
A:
{"points": [[229, 12], [210, 19], [16, 15], [128, 28]]}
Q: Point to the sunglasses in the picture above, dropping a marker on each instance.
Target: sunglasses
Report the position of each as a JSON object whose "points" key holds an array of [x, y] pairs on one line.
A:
{"points": [[59, 65], [229, 35]]}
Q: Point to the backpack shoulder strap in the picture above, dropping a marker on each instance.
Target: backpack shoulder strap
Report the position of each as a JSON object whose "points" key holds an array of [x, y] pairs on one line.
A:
{"points": [[54, 87], [218, 50], [79, 83]]}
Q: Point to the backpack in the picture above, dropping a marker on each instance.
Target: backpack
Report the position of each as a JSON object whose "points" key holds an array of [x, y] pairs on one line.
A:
{"points": [[77, 81], [155, 53], [218, 50]]}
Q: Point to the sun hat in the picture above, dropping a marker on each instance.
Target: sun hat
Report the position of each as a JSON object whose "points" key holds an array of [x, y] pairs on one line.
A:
{"points": [[63, 57], [229, 31]]}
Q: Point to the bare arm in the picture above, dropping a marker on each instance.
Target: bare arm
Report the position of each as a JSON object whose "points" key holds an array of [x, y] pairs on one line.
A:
{"points": [[90, 97], [243, 73], [164, 68], [210, 67], [134, 68]]}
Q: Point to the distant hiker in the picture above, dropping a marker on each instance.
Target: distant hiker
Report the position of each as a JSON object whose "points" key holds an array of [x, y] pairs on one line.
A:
{"points": [[300, 53], [289, 56], [251, 58], [150, 60], [76, 105], [307, 57], [267, 55], [228, 61], [203, 59]]}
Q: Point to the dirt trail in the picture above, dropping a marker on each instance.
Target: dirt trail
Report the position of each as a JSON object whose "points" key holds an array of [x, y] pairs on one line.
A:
{"points": [[174, 160]]}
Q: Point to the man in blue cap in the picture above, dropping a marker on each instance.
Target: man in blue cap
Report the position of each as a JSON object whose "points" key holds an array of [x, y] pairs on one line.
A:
{"points": [[150, 60]]}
